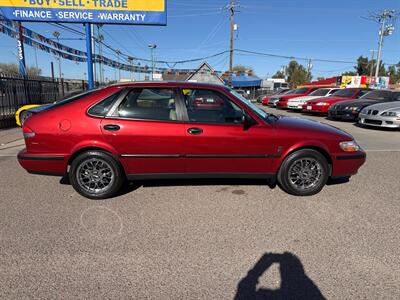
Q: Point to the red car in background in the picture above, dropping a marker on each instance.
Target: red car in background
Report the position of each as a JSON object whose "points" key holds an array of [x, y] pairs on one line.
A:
{"points": [[283, 101], [322, 105], [266, 99]]}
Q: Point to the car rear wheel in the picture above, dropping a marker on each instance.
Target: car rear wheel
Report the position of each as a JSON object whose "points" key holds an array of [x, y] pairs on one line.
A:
{"points": [[96, 175], [304, 173]]}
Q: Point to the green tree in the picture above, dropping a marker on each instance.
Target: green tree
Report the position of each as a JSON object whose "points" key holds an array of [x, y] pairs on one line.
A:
{"points": [[279, 75], [394, 73], [296, 74], [349, 73], [364, 66]]}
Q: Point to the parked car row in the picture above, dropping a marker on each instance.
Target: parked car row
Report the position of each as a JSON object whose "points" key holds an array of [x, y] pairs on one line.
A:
{"points": [[379, 108]]}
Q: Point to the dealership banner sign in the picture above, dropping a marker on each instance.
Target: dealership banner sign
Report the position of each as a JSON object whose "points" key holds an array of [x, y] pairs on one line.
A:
{"points": [[140, 12]]}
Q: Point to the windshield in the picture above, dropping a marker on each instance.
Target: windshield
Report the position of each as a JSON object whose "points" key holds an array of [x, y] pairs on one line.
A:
{"points": [[320, 92], [346, 93], [378, 95], [262, 114], [299, 91]]}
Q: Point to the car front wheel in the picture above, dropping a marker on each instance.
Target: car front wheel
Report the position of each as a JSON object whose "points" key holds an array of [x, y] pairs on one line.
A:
{"points": [[304, 173], [96, 175]]}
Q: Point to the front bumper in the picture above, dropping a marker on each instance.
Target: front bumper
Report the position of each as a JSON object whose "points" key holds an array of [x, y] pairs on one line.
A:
{"points": [[43, 164], [343, 115], [347, 164], [379, 121]]}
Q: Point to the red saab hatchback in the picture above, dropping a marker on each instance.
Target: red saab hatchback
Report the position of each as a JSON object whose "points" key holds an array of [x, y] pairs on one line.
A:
{"points": [[161, 130]]}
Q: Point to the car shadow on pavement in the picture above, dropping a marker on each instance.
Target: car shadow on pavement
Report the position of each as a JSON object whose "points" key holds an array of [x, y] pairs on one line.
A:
{"points": [[131, 186], [295, 284], [209, 181]]}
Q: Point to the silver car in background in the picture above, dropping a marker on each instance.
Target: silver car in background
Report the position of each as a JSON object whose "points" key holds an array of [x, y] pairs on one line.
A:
{"points": [[273, 100], [381, 115]]}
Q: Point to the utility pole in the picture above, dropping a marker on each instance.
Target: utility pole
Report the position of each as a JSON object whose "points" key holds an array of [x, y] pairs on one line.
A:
{"points": [[386, 28], [372, 64], [231, 8]]}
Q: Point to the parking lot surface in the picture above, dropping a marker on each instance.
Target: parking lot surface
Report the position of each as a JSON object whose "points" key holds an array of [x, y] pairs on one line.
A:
{"points": [[208, 239]]}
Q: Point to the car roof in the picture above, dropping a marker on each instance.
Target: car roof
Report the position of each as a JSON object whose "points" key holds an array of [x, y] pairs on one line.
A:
{"points": [[169, 84]]}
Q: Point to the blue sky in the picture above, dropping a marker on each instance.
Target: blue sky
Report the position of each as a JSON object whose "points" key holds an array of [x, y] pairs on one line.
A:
{"points": [[303, 28]]}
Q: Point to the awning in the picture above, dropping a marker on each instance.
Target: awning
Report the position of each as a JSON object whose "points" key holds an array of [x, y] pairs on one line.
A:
{"points": [[244, 81]]}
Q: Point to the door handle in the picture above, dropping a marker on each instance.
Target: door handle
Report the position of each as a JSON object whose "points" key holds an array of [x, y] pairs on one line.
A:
{"points": [[112, 127], [195, 131]]}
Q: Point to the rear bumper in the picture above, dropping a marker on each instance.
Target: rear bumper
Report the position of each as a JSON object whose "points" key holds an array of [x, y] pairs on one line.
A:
{"points": [[318, 109], [295, 106], [348, 164], [43, 164]]}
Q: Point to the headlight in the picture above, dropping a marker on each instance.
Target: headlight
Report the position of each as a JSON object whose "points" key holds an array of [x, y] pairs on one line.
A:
{"points": [[353, 108], [350, 146], [390, 114], [364, 111], [322, 104]]}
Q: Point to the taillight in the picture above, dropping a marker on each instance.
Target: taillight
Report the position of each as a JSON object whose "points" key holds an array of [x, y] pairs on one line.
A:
{"points": [[27, 132]]}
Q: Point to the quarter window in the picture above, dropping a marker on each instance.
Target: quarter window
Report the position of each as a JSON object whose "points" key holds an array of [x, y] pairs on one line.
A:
{"points": [[208, 106], [101, 109], [149, 104]]}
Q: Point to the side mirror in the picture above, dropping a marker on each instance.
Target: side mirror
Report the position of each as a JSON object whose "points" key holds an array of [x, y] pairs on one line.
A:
{"points": [[247, 121]]}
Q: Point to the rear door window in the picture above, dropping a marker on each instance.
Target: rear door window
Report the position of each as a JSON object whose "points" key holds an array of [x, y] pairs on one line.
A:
{"points": [[149, 104]]}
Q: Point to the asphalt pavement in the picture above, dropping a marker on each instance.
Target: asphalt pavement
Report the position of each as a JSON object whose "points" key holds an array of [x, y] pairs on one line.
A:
{"points": [[207, 239]]}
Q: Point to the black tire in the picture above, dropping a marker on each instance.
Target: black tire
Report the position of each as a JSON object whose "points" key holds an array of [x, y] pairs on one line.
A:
{"points": [[99, 169], [292, 177]]}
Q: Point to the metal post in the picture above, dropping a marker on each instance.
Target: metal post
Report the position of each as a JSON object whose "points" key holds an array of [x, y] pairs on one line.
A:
{"points": [[89, 55]]}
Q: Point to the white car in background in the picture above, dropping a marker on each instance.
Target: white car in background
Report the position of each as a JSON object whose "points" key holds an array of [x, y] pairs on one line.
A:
{"points": [[297, 103]]}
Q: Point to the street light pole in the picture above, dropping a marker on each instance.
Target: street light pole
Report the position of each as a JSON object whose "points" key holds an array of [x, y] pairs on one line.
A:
{"points": [[152, 47]]}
